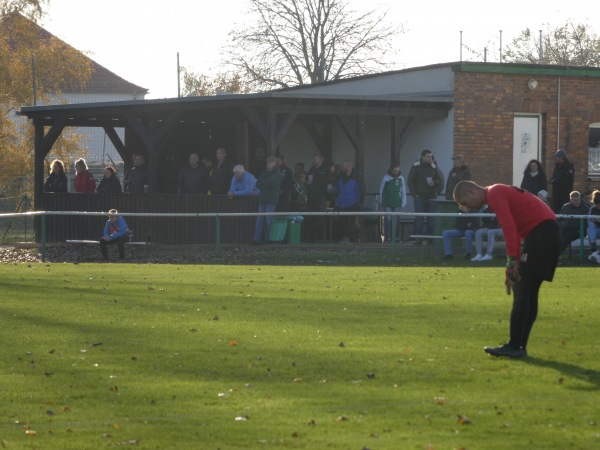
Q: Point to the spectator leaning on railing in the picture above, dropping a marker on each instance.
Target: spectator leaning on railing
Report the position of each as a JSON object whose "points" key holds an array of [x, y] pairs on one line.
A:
{"points": [[242, 183]]}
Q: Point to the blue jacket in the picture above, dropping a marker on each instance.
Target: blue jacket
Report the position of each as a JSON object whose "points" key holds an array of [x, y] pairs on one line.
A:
{"points": [[118, 229], [348, 190], [244, 186]]}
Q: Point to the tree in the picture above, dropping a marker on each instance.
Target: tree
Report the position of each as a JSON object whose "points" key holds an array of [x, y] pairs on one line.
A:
{"points": [[296, 42], [58, 66], [568, 45], [199, 84]]}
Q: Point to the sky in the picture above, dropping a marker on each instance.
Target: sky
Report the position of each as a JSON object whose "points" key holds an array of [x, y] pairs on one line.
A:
{"points": [[139, 39]]}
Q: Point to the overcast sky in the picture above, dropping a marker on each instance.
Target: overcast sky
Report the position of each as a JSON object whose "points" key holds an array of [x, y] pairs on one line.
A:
{"points": [[139, 39]]}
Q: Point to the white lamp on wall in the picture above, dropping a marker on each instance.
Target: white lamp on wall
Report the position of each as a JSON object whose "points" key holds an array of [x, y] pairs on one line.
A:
{"points": [[532, 84]]}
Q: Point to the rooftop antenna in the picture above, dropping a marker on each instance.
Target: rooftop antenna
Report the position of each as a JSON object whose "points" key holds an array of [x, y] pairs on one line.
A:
{"points": [[178, 77], [461, 46], [541, 49], [33, 81], [500, 46]]}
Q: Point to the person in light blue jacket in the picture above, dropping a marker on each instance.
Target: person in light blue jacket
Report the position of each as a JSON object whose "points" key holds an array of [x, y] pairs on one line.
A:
{"points": [[115, 232], [242, 183]]}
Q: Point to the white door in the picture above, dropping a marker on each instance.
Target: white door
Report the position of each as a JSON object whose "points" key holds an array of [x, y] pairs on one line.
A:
{"points": [[526, 144]]}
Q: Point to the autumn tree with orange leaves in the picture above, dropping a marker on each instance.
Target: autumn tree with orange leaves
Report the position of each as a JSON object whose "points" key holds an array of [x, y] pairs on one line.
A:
{"points": [[23, 45]]}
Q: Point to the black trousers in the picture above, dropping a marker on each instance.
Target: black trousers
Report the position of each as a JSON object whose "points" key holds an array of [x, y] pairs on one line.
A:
{"points": [[120, 241], [539, 257]]}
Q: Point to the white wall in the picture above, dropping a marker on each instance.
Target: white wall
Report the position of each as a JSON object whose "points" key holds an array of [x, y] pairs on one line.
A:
{"points": [[420, 82]]}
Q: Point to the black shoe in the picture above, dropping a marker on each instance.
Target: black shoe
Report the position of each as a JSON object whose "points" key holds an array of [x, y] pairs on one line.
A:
{"points": [[468, 256], [506, 350], [447, 256]]}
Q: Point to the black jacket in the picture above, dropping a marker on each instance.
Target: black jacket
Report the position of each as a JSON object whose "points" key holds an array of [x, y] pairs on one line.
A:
{"points": [[110, 185], [56, 183]]}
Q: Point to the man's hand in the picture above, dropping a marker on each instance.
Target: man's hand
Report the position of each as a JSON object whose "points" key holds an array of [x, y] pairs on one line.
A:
{"points": [[511, 274]]}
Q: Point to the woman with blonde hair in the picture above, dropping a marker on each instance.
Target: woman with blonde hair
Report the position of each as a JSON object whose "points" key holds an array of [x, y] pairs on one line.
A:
{"points": [[57, 180], [84, 180]]}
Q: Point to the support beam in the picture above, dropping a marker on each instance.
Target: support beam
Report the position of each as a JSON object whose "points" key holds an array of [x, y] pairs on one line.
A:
{"points": [[400, 133], [116, 141]]}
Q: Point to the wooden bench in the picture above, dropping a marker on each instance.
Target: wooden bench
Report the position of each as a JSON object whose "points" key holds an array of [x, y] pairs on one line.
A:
{"points": [[83, 242]]}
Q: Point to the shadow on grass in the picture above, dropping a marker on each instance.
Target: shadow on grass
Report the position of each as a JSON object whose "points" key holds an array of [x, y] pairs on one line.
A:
{"points": [[571, 370]]}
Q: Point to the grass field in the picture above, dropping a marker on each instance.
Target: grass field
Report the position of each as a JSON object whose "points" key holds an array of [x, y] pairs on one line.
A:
{"points": [[236, 357]]}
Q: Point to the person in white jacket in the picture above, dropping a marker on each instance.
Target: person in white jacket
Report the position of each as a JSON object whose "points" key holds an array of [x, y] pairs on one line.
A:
{"points": [[392, 196]]}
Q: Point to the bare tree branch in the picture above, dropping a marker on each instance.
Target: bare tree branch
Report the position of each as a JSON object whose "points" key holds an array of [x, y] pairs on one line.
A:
{"points": [[568, 45], [295, 42]]}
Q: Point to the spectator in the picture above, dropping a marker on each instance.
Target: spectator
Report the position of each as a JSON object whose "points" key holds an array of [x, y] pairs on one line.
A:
{"points": [[458, 173], [128, 173], [115, 232], [350, 193], [269, 184], [138, 175], [532, 238], [392, 197], [316, 182], [562, 180], [298, 169], [335, 173], [57, 180], [193, 178], [287, 180], [425, 182], [490, 228], [571, 228], [594, 225], [242, 183], [109, 184], [207, 163], [220, 180], [464, 226], [534, 179], [298, 197], [84, 180]]}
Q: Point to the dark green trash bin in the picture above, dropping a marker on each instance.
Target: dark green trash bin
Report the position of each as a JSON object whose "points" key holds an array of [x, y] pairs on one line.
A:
{"points": [[293, 231]]}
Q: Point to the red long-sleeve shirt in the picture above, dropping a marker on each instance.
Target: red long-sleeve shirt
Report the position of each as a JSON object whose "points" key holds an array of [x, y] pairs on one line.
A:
{"points": [[518, 212], [84, 182]]}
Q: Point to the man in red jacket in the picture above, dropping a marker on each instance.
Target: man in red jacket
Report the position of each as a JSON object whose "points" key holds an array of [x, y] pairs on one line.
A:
{"points": [[522, 216]]}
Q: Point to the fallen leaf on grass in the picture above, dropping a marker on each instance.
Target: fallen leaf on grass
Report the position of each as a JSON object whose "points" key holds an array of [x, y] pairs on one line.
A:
{"points": [[232, 343], [342, 419], [30, 432], [241, 418], [463, 420]]}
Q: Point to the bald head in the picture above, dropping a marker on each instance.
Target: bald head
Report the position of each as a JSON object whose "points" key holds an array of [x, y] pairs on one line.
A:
{"points": [[469, 194]]}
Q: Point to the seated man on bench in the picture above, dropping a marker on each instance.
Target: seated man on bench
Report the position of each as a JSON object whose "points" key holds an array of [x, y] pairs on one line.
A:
{"points": [[115, 232], [465, 226]]}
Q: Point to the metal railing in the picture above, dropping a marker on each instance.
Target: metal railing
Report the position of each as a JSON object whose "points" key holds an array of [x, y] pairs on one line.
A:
{"points": [[331, 214]]}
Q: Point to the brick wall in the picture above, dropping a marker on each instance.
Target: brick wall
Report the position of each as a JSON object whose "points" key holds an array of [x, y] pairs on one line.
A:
{"points": [[484, 107]]}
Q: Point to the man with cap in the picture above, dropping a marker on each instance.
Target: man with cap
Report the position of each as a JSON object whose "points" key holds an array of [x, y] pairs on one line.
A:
{"points": [[459, 172], [562, 180]]}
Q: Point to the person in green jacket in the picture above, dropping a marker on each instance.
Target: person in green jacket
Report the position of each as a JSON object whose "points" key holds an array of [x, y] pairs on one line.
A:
{"points": [[268, 183]]}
